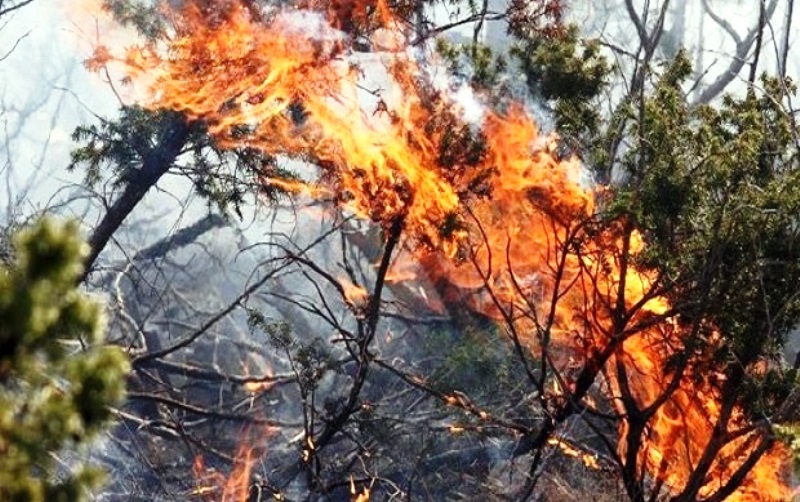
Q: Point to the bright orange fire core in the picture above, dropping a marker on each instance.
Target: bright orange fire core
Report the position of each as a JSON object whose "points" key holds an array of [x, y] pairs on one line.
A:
{"points": [[286, 82]]}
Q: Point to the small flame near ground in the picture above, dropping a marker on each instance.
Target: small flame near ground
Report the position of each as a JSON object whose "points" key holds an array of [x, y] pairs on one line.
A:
{"points": [[261, 80], [358, 496], [571, 450], [234, 486]]}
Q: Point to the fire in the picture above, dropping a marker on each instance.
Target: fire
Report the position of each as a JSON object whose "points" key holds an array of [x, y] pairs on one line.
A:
{"points": [[356, 295], [286, 82], [213, 485], [257, 386], [355, 496], [570, 450], [274, 88], [403, 268]]}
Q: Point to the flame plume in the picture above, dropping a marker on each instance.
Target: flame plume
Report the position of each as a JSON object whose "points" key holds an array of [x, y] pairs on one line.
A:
{"points": [[214, 486], [287, 82]]}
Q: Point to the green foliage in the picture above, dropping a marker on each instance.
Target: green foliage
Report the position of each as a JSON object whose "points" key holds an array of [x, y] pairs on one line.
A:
{"points": [[310, 359], [563, 71], [121, 146], [563, 68], [791, 436], [569, 73], [716, 192], [131, 148], [57, 381], [140, 15], [486, 68], [658, 171]]}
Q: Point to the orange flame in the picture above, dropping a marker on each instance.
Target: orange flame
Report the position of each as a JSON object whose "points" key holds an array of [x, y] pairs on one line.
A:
{"points": [[288, 84], [355, 496], [216, 486], [353, 293], [570, 450], [235, 487]]}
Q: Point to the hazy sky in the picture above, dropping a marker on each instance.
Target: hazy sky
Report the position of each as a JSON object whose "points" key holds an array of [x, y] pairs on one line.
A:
{"points": [[45, 93]]}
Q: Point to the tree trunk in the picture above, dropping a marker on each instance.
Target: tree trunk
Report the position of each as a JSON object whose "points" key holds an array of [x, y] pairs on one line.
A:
{"points": [[155, 163]]}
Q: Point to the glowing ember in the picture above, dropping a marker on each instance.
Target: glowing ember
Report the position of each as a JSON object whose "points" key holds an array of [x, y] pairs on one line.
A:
{"points": [[256, 386], [571, 450], [288, 84]]}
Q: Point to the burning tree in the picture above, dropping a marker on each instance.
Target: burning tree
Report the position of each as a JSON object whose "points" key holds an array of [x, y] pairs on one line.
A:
{"points": [[649, 311]]}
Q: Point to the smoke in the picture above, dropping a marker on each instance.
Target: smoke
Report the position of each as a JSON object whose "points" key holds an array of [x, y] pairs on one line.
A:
{"points": [[293, 22]]}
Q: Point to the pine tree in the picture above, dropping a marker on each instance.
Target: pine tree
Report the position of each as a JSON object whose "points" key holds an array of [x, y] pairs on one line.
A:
{"points": [[57, 379]]}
